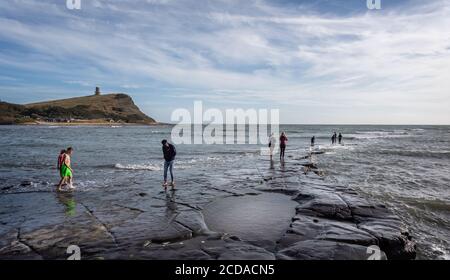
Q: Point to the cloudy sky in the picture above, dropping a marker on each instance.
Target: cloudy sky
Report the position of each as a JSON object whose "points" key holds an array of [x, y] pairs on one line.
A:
{"points": [[317, 61]]}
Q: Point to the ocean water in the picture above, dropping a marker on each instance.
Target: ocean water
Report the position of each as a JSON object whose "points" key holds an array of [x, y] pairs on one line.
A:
{"points": [[405, 167]]}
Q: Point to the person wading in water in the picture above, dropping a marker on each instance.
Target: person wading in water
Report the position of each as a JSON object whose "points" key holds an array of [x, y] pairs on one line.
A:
{"points": [[61, 156], [333, 138], [66, 171]]}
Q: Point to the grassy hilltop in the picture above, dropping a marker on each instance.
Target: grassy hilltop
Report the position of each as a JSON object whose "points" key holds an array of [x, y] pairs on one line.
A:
{"points": [[109, 108]]}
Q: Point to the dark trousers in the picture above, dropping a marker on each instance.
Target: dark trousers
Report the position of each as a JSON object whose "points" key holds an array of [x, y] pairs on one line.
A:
{"points": [[282, 148]]}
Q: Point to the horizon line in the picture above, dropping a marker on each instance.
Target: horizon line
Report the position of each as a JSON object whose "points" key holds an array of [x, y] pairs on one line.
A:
{"points": [[323, 124]]}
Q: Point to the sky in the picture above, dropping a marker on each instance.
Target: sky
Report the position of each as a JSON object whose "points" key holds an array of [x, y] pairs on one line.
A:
{"points": [[318, 62]]}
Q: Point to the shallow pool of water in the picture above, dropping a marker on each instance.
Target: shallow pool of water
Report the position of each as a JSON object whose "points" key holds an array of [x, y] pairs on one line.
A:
{"points": [[263, 217]]}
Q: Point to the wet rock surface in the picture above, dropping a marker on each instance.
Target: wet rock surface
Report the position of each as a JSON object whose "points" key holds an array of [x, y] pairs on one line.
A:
{"points": [[324, 250], [141, 221]]}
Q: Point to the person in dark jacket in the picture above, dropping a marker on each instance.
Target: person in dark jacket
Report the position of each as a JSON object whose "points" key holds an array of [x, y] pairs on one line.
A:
{"points": [[169, 152], [334, 138], [283, 141]]}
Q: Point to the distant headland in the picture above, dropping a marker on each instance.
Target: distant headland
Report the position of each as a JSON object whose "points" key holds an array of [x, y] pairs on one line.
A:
{"points": [[96, 109]]}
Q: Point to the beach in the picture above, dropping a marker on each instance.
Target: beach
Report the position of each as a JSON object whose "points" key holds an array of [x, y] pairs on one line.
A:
{"points": [[230, 202]]}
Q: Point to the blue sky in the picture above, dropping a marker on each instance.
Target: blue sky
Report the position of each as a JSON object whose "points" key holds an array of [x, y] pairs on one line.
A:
{"points": [[317, 61]]}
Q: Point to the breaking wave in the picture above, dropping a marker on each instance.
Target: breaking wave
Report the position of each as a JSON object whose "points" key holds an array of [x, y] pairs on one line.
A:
{"points": [[180, 164]]}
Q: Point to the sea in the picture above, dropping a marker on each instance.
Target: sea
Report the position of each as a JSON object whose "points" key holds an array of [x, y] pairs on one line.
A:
{"points": [[405, 167]]}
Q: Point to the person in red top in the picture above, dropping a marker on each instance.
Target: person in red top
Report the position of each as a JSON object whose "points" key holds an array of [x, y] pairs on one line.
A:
{"points": [[283, 140]]}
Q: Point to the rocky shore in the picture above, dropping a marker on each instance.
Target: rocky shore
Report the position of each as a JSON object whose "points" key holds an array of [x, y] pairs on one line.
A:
{"points": [[141, 221]]}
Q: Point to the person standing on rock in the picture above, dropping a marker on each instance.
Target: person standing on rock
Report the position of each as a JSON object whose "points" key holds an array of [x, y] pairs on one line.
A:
{"points": [[283, 141], [169, 152], [272, 142], [340, 138]]}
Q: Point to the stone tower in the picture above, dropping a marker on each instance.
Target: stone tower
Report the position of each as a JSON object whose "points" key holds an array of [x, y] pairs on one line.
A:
{"points": [[97, 91]]}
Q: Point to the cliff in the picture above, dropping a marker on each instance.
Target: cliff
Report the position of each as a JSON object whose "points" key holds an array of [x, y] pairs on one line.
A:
{"points": [[118, 108]]}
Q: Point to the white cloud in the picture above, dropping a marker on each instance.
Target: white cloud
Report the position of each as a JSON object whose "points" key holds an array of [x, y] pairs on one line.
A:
{"points": [[130, 86], [81, 83]]}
